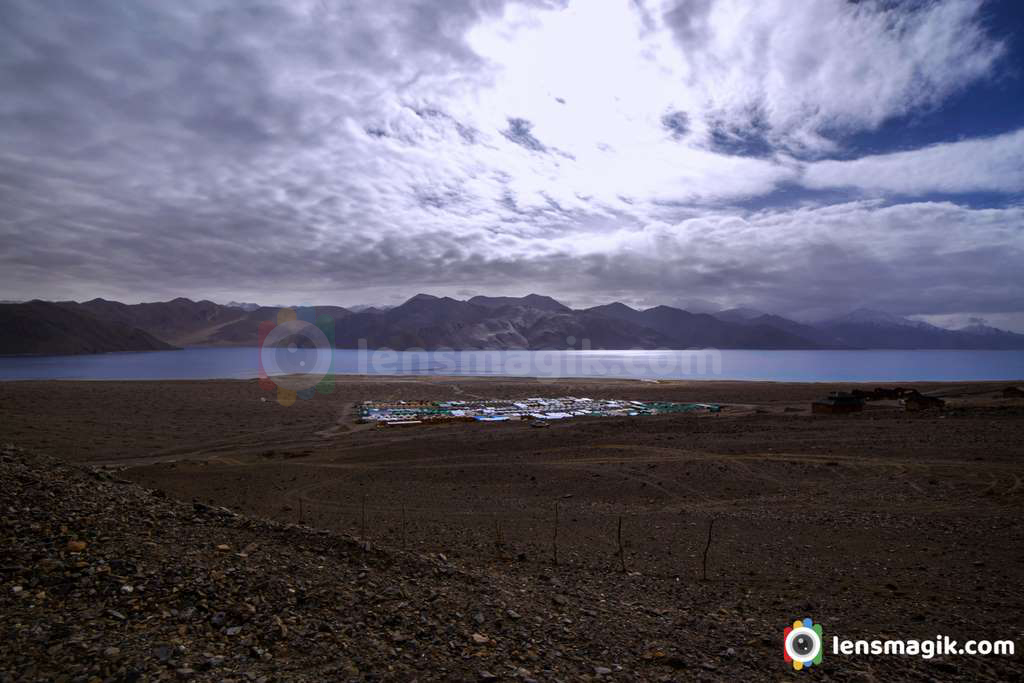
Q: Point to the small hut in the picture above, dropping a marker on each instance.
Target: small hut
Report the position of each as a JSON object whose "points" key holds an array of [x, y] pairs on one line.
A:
{"points": [[916, 402], [1013, 392]]}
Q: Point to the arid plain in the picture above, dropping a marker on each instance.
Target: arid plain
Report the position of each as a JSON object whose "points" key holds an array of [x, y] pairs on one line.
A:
{"points": [[880, 524]]}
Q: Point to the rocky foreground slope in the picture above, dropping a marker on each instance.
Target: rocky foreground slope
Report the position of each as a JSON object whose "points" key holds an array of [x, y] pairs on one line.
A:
{"points": [[104, 580]]}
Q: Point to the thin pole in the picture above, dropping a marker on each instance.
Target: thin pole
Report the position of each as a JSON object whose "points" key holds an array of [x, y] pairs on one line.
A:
{"points": [[707, 547], [622, 553], [554, 537], [362, 524]]}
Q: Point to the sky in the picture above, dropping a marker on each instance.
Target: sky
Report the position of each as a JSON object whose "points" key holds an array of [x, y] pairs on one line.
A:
{"points": [[800, 158]]}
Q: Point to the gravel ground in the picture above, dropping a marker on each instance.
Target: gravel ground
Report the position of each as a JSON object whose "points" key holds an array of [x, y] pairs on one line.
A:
{"points": [[879, 525], [106, 580]]}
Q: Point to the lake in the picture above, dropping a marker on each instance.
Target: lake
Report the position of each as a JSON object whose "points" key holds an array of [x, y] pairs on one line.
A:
{"points": [[790, 366]]}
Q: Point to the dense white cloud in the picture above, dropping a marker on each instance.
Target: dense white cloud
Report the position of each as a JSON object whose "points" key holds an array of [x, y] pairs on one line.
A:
{"points": [[798, 74], [993, 164], [605, 72]]}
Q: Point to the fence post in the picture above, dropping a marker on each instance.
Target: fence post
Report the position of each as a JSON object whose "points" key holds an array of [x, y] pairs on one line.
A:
{"points": [[362, 529], [707, 547], [554, 538], [622, 552]]}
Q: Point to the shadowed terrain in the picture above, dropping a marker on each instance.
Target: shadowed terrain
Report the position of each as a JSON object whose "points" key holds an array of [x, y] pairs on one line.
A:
{"points": [[877, 524]]}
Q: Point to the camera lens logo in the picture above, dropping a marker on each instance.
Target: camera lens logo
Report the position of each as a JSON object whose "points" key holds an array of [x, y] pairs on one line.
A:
{"points": [[296, 354], [802, 644]]}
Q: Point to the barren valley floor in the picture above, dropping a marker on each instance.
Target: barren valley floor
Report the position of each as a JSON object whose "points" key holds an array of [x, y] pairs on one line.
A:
{"points": [[881, 524]]}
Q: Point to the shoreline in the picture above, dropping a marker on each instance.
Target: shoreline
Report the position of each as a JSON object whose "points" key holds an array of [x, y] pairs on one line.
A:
{"points": [[398, 377]]}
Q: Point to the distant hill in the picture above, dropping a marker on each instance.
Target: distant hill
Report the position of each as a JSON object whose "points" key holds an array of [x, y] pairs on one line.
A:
{"points": [[866, 328], [244, 331], [739, 315], [44, 328], [747, 316], [542, 303], [244, 306], [531, 322], [183, 322], [688, 330], [431, 322], [423, 321]]}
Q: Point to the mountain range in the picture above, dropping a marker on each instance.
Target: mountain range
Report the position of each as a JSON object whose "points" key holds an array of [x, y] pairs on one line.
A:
{"points": [[429, 322], [40, 327]]}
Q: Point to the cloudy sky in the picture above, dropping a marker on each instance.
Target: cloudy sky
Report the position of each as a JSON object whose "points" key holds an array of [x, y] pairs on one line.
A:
{"points": [[804, 158]]}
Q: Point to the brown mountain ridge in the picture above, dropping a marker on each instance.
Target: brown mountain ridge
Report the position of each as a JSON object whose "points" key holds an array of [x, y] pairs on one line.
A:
{"points": [[480, 323]]}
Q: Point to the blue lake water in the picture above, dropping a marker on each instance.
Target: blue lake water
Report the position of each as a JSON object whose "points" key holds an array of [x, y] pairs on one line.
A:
{"points": [[796, 366]]}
